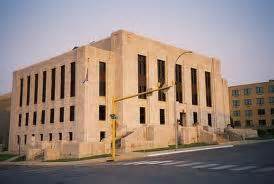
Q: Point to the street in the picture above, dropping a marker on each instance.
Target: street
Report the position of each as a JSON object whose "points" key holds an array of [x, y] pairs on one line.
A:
{"points": [[253, 163]]}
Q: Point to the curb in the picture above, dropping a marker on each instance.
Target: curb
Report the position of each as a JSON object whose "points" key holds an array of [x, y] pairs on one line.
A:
{"points": [[190, 150]]}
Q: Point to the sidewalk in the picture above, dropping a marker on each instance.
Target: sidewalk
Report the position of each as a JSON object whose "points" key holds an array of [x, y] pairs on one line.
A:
{"points": [[135, 155]]}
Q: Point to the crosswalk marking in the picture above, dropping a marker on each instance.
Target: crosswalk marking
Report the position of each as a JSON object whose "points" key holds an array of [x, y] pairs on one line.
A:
{"points": [[152, 162], [204, 166], [243, 168], [189, 164], [223, 167], [173, 163], [158, 162], [266, 169]]}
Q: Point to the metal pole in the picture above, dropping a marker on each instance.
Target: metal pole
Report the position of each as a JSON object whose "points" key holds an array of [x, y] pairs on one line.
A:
{"points": [[113, 127]]}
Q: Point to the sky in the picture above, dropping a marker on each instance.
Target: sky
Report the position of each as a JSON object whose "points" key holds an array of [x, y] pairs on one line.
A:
{"points": [[238, 32]]}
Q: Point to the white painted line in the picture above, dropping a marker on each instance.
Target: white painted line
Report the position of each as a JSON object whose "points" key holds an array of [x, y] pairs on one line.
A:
{"points": [[243, 168], [158, 162], [205, 166], [173, 163], [266, 169], [223, 167], [190, 150], [189, 164], [132, 163]]}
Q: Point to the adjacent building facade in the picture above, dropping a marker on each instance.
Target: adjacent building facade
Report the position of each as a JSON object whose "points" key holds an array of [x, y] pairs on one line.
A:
{"points": [[5, 102], [252, 105], [67, 99]]}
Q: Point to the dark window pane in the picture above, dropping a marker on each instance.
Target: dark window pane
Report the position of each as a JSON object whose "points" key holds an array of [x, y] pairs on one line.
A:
{"points": [[142, 115], [34, 118], [21, 91], [102, 136], [62, 109], [102, 79], [41, 137], [62, 90], [43, 116], [162, 116], [72, 79], [161, 79], [209, 120], [35, 88], [53, 74], [179, 88], [60, 136], [142, 76], [20, 120], [27, 119], [25, 141], [72, 112], [44, 86], [70, 136], [51, 115], [102, 112], [28, 90], [50, 136], [208, 89], [195, 117], [194, 86]]}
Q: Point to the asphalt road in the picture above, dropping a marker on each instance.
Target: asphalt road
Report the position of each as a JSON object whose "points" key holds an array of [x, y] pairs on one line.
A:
{"points": [[252, 163]]}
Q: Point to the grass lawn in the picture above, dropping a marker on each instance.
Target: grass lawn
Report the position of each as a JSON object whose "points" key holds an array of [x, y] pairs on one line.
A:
{"points": [[78, 159], [171, 147], [5, 156]]}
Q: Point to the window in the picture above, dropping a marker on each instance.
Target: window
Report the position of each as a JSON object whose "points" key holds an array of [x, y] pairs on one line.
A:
{"points": [[259, 90], [72, 79], [25, 140], [272, 111], [102, 136], [35, 88], [208, 89], [44, 86], [248, 101], [27, 119], [235, 92], [195, 117], [162, 116], [41, 137], [161, 79], [61, 117], [272, 122], [248, 113], [237, 123], [261, 112], [271, 100], [20, 120], [235, 103], [34, 118], [18, 139], [71, 114], [179, 85], [102, 79], [271, 89], [70, 136], [28, 90], [194, 86], [142, 115], [60, 136], [43, 116], [21, 91], [50, 136], [51, 115], [209, 119], [62, 89], [142, 76], [260, 101], [247, 91], [182, 118], [262, 122], [248, 123], [102, 112], [53, 74], [236, 113]]}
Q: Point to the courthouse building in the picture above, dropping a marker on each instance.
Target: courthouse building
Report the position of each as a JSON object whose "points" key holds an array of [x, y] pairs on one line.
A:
{"points": [[252, 105], [66, 100]]}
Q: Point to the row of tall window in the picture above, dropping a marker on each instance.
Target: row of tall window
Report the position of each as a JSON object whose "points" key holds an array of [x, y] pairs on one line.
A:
{"points": [[142, 116], [44, 85], [142, 81], [249, 113], [50, 137], [259, 101], [248, 91], [249, 123], [51, 117]]}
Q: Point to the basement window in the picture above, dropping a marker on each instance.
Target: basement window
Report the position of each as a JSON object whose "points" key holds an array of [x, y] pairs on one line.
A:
{"points": [[102, 135]]}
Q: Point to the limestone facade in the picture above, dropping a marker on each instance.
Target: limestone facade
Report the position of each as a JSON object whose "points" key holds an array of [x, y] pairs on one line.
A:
{"points": [[120, 53]]}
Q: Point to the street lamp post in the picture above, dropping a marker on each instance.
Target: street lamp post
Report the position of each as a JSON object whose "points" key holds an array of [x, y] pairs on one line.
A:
{"points": [[175, 105]]}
